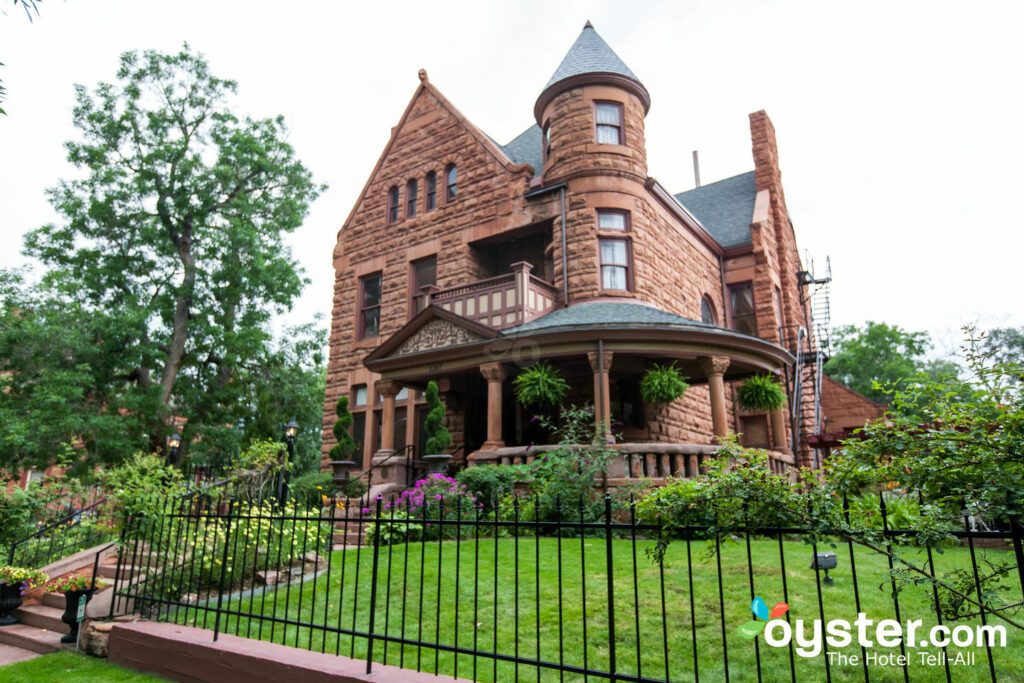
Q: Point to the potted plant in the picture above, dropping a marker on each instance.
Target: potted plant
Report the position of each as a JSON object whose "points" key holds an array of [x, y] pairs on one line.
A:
{"points": [[341, 454], [438, 436], [540, 386], [14, 581], [761, 392], [662, 384], [73, 587]]}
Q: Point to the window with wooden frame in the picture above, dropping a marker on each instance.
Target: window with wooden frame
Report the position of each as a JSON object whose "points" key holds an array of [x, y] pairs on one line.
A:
{"points": [[369, 306], [613, 219], [608, 122], [616, 265], [707, 311], [547, 140], [451, 175], [741, 301], [431, 191], [393, 204], [421, 273], [411, 197]]}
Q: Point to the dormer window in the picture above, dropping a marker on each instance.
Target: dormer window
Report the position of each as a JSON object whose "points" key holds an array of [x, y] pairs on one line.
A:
{"points": [[431, 183], [393, 204], [608, 118], [411, 196], [450, 178]]}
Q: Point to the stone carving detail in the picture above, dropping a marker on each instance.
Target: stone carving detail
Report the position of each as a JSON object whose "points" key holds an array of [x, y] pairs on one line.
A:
{"points": [[436, 334]]}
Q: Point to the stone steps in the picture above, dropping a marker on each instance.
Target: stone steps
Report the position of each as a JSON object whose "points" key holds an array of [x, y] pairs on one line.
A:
{"points": [[43, 616], [27, 637]]}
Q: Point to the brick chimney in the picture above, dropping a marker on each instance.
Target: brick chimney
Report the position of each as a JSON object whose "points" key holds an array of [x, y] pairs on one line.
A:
{"points": [[767, 174]]}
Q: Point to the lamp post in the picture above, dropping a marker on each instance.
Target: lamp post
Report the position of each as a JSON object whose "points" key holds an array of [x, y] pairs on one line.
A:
{"points": [[290, 430], [173, 444]]}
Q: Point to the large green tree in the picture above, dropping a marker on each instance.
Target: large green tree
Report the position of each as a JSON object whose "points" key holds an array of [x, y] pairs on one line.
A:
{"points": [[171, 250], [875, 358]]}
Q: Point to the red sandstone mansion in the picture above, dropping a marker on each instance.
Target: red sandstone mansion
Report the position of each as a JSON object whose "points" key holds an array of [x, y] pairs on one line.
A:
{"points": [[464, 261]]}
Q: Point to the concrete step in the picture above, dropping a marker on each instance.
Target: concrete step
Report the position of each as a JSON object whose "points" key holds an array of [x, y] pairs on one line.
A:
{"points": [[31, 638], [109, 571], [54, 600], [42, 616], [10, 654]]}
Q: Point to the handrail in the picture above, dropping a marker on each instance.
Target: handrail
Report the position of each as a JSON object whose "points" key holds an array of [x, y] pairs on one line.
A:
{"points": [[61, 522], [477, 284]]}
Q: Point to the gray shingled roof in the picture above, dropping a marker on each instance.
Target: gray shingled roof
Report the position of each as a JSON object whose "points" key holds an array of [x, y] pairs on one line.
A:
{"points": [[600, 313], [527, 148], [725, 208], [590, 54]]}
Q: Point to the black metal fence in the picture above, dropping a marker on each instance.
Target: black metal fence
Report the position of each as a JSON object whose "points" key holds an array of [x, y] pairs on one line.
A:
{"points": [[78, 530], [511, 595]]}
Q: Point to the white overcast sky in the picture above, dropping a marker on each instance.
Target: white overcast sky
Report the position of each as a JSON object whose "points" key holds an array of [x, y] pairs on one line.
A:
{"points": [[899, 123]]}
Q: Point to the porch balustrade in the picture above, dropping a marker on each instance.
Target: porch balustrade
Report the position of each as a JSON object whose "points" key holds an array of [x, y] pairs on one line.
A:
{"points": [[500, 302]]}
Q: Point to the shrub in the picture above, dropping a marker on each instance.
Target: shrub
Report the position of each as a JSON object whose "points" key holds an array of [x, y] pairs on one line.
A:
{"points": [[540, 386], [138, 488], [309, 489], [257, 468], [346, 445], [438, 437], [761, 392], [490, 483], [662, 384], [437, 496]]}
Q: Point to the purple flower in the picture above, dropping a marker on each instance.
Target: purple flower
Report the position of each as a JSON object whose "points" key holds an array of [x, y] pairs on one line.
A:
{"points": [[534, 419], [438, 496], [366, 511]]}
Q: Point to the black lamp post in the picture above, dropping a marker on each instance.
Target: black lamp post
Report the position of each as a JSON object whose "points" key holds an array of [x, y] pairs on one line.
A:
{"points": [[173, 444], [290, 430]]}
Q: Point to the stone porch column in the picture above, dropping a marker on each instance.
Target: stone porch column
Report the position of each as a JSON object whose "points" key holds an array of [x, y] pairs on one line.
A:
{"points": [[495, 374], [714, 367], [388, 389], [601, 367]]}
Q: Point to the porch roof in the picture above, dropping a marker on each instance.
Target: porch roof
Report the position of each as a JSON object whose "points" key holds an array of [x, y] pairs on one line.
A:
{"points": [[598, 314]]}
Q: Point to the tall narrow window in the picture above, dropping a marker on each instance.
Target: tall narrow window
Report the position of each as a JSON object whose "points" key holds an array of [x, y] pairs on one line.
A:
{"points": [[431, 182], [615, 265], [707, 311], [742, 300], [609, 219], [608, 116], [450, 178], [393, 204], [424, 272], [547, 140], [411, 197], [369, 306]]}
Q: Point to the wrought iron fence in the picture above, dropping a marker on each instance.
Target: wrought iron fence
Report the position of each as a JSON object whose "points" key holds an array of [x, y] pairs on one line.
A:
{"points": [[516, 595], [76, 531]]}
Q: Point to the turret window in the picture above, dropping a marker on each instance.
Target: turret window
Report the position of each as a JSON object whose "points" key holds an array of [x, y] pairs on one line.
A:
{"points": [[608, 219], [608, 117], [547, 141], [393, 204], [450, 178], [411, 196], [615, 265], [431, 182]]}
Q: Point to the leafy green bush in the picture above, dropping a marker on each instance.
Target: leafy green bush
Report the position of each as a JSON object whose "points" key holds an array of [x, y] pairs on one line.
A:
{"points": [[662, 384], [540, 386], [24, 511], [437, 496], [139, 488], [490, 483], [346, 445], [438, 437], [761, 392], [254, 472], [309, 489], [394, 528], [355, 488]]}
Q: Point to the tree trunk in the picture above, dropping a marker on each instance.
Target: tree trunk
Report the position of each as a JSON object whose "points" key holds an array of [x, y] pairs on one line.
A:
{"points": [[182, 309]]}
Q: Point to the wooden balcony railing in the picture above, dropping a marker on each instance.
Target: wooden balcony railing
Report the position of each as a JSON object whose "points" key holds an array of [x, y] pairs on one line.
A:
{"points": [[499, 302]]}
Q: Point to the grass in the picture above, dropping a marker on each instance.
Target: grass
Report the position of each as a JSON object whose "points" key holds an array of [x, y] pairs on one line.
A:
{"points": [[70, 667], [513, 604]]}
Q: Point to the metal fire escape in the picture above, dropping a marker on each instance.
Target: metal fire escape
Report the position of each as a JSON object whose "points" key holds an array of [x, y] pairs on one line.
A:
{"points": [[812, 349]]}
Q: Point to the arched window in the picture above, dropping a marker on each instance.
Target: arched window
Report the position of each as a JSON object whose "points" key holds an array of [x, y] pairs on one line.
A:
{"points": [[450, 177], [547, 140], [393, 204], [707, 311], [431, 183], [411, 196]]}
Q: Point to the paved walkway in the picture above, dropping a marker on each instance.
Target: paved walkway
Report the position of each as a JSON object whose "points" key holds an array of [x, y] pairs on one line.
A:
{"points": [[10, 654]]}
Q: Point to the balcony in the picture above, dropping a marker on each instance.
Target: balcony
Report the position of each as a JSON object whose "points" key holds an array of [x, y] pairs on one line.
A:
{"points": [[500, 302]]}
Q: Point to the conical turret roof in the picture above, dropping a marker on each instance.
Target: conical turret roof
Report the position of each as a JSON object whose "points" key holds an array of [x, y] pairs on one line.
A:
{"points": [[591, 60]]}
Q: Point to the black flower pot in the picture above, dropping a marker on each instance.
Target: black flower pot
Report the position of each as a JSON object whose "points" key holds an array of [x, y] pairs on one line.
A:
{"points": [[10, 600], [70, 616]]}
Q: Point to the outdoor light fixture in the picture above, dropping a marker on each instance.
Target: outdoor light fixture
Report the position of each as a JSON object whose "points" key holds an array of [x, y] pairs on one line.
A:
{"points": [[291, 429], [173, 443], [824, 561]]}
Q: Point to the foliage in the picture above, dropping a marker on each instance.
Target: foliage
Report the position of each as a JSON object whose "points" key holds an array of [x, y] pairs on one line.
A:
{"points": [[436, 497], [761, 392], [355, 488], [662, 384], [540, 386], [309, 489], [24, 511], [26, 576], [490, 483], [394, 527], [171, 251], [877, 355], [257, 468], [73, 582], [1005, 346], [346, 445], [438, 436], [138, 487]]}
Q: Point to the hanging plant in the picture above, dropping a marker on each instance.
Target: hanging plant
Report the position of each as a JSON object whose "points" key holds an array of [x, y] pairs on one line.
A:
{"points": [[540, 386], [438, 436], [761, 392], [662, 384]]}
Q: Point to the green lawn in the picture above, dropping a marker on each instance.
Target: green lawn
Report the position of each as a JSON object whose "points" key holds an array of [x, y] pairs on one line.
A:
{"points": [[483, 612], [70, 667]]}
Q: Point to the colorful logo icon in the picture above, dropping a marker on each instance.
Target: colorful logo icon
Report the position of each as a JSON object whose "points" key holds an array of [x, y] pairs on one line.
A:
{"points": [[753, 627]]}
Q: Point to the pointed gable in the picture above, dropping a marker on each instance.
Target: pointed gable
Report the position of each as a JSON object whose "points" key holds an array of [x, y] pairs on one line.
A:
{"points": [[433, 328]]}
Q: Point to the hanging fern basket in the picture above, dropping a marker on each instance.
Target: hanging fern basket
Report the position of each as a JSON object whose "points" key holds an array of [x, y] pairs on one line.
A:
{"points": [[761, 392], [541, 386], [662, 384]]}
